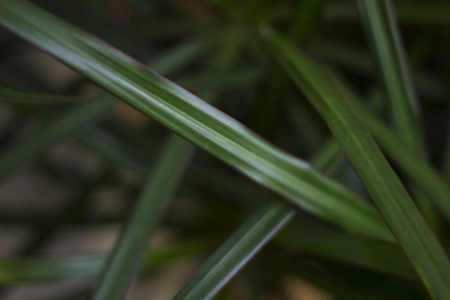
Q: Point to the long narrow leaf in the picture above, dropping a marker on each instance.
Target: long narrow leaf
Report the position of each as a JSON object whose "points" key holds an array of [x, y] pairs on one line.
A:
{"points": [[305, 14], [132, 244], [350, 249], [380, 180], [126, 259], [342, 282], [192, 118], [20, 270], [410, 13], [52, 131], [235, 253], [236, 78], [179, 56], [383, 32], [447, 156], [238, 250], [425, 177], [379, 20], [21, 96], [165, 63], [356, 60]]}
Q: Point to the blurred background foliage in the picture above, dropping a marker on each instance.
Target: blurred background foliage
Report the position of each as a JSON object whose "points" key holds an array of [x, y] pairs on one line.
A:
{"points": [[71, 189]]}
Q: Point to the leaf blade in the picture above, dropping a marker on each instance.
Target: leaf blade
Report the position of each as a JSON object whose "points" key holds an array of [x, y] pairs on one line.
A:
{"points": [[131, 246], [237, 251], [52, 131], [383, 185], [194, 119]]}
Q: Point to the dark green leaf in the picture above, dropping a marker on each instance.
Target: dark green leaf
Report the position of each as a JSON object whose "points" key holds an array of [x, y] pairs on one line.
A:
{"points": [[380, 180]]}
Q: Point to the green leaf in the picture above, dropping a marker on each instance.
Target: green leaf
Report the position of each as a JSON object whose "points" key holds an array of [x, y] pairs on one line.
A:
{"points": [[425, 177], [236, 78], [306, 126], [380, 180], [257, 231], [132, 244], [19, 270], [341, 281], [178, 56], [306, 13], [125, 261], [356, 60], [60, 126], [52, 131], [379, 20], [48, 269], [380, 23], [410, 13], [20, 96], [192, 118], [236, 251], [350, 249], [447, 156]]}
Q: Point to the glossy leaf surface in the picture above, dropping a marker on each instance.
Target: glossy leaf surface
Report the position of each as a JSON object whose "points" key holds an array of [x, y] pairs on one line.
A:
{"points": [[192, 118]]}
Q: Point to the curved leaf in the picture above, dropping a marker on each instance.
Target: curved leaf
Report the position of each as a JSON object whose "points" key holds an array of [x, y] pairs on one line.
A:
{"points": [[258, 230], [192, 118]]}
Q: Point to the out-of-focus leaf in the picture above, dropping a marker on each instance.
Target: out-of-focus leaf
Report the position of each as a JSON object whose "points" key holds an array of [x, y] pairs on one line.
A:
{"points": [[411, 13], [19, 270], [235, 78], [132, 244], [380, 23], [178, 56], [20, 153], [359, 61], [355, 250], [20, 96]]}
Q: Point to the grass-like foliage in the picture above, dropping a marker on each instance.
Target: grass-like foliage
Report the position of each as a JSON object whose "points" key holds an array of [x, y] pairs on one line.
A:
{"points": [[353, 224]]}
